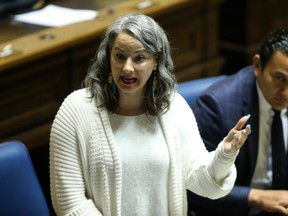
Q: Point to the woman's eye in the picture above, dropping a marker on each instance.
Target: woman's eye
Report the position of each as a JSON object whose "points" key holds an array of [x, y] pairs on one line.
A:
{"points": [[119, 57], [139, 58]]}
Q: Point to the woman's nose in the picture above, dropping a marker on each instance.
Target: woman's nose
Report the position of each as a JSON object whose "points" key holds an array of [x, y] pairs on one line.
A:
{"points": [[128, 66]]}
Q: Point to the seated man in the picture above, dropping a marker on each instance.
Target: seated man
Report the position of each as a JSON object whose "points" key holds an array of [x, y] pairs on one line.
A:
{"points": [[260, 90]]}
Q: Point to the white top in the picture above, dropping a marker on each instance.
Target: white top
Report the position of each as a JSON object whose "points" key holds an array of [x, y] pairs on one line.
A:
{"points": [[145, 165], [86, 172]]}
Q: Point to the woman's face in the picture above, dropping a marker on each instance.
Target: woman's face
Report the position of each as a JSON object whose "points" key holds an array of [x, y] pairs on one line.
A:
{"points": [[273, 80], [131, 65]]}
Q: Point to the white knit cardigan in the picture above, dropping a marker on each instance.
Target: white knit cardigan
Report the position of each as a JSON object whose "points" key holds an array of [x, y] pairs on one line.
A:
{"points": [[85, 169]]}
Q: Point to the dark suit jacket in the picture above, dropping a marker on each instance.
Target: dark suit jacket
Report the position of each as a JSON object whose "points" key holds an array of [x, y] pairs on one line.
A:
{"points": [[217, 111]]}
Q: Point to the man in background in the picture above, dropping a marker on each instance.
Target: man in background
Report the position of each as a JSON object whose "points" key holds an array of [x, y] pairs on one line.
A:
{"points": [[262, 91]]}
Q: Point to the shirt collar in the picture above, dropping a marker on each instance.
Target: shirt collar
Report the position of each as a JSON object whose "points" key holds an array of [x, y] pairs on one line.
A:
{"points": [[264, 106]]}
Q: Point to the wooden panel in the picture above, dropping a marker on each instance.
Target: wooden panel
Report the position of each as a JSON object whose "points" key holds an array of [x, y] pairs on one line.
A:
{"points": [[80, 59], [211, 67], [30, 97], [193, 34], [243, 24], [186, 38]]}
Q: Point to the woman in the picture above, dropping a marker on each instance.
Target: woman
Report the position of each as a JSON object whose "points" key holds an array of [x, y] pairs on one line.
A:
{"points": [[127, 143]]}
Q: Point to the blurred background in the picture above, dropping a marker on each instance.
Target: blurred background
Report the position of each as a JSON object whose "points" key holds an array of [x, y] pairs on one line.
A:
{"points": [[40, 65]]}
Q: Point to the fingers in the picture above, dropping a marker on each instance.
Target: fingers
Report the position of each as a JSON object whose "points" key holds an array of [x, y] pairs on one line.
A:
{"points": [[242, 121], [242, 134], [283, 210], [237, 135], [235, 144], [240, 137], [245, 132], [238, 127]]}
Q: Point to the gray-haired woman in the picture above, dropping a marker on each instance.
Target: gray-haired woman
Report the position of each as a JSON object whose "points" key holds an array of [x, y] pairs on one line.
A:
{"points": [[128, 143]]}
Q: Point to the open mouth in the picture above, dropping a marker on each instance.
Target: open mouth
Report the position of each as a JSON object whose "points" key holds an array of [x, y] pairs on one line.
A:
{"points": [[128, 80]]}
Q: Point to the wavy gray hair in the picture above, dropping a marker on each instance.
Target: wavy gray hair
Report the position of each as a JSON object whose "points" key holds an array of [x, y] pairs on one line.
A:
{"points": [[154, 39]]}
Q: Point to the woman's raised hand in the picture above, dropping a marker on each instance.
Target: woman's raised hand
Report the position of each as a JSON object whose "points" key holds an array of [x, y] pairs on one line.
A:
{"points": [[237, 136]]}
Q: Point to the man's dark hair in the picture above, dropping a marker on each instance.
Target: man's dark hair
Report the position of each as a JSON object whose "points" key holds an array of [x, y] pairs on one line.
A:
{"points": [[275, 41]]}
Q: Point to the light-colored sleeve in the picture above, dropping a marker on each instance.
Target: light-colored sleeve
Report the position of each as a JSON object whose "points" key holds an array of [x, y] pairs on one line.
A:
{"points": [[66, 176], [200, 167]]}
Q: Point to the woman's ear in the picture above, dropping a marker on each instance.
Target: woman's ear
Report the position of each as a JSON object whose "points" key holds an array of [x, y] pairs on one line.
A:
{"points": [[156, 63], [155, 66]]}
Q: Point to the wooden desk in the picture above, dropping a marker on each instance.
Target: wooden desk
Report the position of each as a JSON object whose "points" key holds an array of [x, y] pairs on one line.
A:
{"points": [[34, 82]]}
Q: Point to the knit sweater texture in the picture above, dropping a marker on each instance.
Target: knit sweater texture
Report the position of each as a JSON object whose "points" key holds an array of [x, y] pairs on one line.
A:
{"points": [[85, 169]]}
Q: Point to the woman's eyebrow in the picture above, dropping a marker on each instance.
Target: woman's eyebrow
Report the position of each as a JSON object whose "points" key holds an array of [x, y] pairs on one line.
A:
{"points": [[117, 48]]}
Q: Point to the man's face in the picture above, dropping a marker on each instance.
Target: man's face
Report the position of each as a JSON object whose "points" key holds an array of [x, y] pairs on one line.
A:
{"points": [[273, 80]]}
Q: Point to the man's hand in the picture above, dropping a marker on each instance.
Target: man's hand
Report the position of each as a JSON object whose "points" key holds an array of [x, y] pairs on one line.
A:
{"points": [[273, 201]]}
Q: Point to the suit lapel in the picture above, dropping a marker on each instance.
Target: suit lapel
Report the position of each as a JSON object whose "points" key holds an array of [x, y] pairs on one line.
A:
{"points": [[252, 107]]}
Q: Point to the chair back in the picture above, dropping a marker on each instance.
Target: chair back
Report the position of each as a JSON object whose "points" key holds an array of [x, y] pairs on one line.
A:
{"points": [[20, 191], [192, 89]]}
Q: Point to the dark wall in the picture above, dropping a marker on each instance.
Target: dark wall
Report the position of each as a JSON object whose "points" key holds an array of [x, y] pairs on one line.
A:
{"points": [[243, 24]]}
